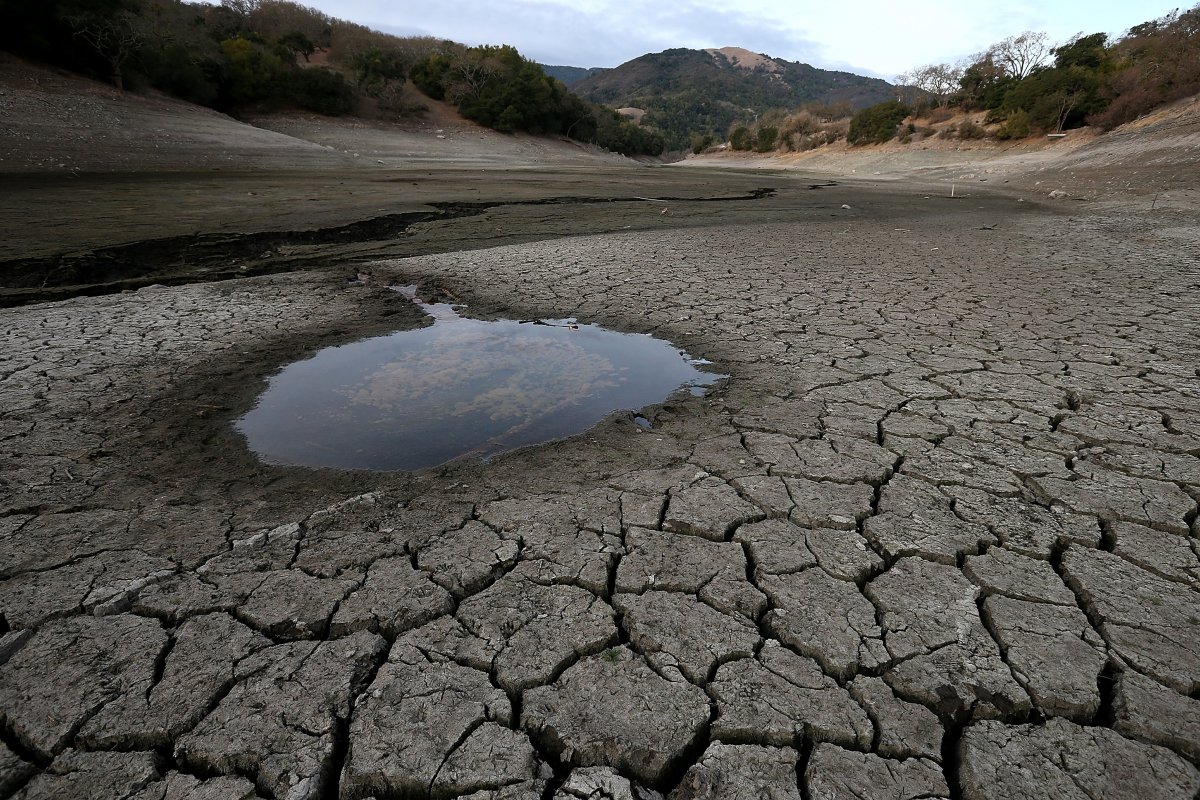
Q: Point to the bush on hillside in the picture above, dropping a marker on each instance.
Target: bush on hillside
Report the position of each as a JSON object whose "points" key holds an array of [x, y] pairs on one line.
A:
{"points": [[877, 124]]}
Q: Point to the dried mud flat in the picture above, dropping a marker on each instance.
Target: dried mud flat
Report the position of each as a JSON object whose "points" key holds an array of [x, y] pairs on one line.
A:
{"points": [[935, 537]]}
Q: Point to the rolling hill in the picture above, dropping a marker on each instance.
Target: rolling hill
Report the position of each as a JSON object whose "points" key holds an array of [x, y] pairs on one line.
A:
{"points": [[570, 75], [689, 92]]}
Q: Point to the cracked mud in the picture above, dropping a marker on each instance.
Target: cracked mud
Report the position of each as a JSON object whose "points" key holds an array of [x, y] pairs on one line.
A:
{"points": [[937, 535]]}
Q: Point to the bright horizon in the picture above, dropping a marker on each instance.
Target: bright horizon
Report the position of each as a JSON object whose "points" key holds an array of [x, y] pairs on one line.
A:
{"points": [[882, 39]]}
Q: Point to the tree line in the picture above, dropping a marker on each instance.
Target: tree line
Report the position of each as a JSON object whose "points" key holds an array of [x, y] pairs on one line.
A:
{"points": [[261, 55], [1028, 86]]}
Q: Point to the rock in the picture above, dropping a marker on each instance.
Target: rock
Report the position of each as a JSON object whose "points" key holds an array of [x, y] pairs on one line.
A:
{"points": [[1053, 652], [906, 730], [1152, 623], [198, 669], [613, 710], [70, 669], [1064, 761], [289, 604], [947, 659], [280, 721], [96, 776], [412, 718], [1007, 573], [1150, 712], [602, 783], [715, 571], [677, 632], [709, 508], [837, 774], [741, 772], [779, 699], [467, 560], [826, 619], [394, 597], [1058, 194]]}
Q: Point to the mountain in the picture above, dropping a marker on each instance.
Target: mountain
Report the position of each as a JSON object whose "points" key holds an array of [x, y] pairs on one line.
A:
{"points": [[693, 92], [571, 75]]}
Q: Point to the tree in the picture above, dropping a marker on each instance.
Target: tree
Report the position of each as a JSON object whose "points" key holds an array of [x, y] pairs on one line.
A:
{"points": [[296, 42], [115, 36], [1020, 55], [939, 81]]}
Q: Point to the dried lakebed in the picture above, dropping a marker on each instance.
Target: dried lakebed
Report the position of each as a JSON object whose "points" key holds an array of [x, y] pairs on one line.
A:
{"points": [[935, 537]]}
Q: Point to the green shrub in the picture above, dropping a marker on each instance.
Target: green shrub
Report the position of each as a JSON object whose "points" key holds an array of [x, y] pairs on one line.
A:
{"points": [[765, 141], [321, 90], [1017, 126], [876, 124], [739, 138], [701, 143]]}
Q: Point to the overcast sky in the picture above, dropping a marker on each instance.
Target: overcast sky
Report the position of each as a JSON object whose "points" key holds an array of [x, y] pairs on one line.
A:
{"points": [[871, 37]]}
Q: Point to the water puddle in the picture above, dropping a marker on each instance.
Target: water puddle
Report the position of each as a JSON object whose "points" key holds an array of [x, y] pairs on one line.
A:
{"points": [[460, 387]]}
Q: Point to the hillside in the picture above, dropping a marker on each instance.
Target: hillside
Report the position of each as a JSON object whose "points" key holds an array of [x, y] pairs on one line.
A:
{"points": [[571, 75], [693, 92]]}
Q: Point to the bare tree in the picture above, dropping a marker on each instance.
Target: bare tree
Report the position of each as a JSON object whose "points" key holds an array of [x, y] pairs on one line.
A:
{"points": [[468, 76], [939, 81], [115, 37], [1021, 54]]}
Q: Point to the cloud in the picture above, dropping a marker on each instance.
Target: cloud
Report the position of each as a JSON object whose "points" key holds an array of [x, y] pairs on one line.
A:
{"points": [[872, 37]]}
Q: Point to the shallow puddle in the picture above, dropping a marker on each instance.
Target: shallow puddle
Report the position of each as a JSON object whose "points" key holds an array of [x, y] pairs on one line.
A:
{"points": [[460, 387]]}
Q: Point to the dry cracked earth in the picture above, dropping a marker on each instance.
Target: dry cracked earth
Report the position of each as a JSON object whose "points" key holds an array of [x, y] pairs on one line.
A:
{"points": [[936, 536]]}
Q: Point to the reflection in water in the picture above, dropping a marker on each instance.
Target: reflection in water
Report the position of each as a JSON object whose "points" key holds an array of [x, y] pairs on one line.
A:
{"points": [[460, 387]]}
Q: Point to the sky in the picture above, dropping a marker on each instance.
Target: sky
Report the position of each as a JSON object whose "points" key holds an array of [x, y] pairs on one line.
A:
{"points": [[879, 38]]}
